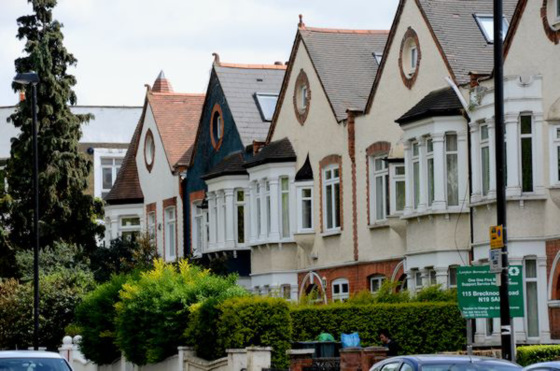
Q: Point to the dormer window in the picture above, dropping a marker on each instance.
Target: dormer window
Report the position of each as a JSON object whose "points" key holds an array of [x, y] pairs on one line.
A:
{"points": [[267, 105], [216, 127], [486, 24]]}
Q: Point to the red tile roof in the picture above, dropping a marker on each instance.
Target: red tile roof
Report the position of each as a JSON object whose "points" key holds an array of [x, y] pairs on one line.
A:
{"points": [[177, 117]]}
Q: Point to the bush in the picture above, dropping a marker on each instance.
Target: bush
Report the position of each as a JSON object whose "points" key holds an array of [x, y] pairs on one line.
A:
{"points": [[95, 320], [419, 328], [434, 293], [256, 321], [153, 313], [528, 355]]}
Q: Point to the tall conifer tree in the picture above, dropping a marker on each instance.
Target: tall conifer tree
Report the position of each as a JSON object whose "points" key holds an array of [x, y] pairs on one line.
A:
{"points": [[66, 213]]}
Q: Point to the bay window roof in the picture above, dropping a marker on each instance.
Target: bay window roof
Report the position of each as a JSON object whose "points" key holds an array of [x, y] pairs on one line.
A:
{"points": [[230, 165], [442, 102], [277, 151]]}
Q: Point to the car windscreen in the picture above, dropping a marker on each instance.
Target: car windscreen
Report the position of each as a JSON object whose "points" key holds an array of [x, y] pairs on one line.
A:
{"points": [[479, 366], [33, 364]]}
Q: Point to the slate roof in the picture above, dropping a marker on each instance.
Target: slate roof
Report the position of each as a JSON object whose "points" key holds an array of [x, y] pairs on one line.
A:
{"points": [[277, 151], [127, 189], [177, 117], [345, 63], [240, 83], [230, 165], [459, 35], [442, 102]]}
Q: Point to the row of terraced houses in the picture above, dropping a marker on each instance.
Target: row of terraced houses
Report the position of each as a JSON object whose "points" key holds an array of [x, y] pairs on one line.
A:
{"points": [[368, 156]]}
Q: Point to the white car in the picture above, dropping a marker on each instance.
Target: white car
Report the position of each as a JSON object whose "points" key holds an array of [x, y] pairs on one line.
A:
{"points": [[31, 360]]}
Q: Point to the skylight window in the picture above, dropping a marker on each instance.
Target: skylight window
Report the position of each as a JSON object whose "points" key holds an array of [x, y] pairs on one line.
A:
{"points": [[486, 24], [267, 104], [379, 56]]}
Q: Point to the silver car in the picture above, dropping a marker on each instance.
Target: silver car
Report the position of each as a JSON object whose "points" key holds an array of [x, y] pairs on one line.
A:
{"points": [[31, 360], [544, 366]]}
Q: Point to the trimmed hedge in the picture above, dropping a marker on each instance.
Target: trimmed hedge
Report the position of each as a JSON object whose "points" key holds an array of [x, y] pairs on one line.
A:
{"points": [[239, 323], [419, 328], [527, 355]]}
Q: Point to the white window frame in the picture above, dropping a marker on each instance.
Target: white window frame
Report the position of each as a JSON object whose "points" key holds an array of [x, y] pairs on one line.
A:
{"points": [[341, 295], [484, 144], [200, 230], [418, 280], [413, 57], [300, 206], [530, 136], [98, 154], [394, 180], [431, 276], [555, 155], [416, 176], [170, 228], [152, 231], [557, 10], [268, 207], [240, 204], [482, 18], [304, 90], [452, 276], [430, 177], [258, 206], [331, 183], [379, 170], [377, 281], [124, 229]]}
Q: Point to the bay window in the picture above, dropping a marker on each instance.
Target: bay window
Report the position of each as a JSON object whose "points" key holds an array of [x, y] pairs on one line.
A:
{"points": [[331, 197], [416, 173], [430, 167], [268, 211], [398, 188], [285, 206], [240, 215], [259, 210]]}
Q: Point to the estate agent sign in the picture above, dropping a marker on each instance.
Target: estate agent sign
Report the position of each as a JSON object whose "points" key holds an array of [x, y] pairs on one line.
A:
{"points": [[479, 297]]}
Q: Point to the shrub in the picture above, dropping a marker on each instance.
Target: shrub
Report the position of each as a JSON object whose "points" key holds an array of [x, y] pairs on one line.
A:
{"points": [[528, 355], [256, 321], [418, 327], [434, 293], [95, 319], [153, 313]]}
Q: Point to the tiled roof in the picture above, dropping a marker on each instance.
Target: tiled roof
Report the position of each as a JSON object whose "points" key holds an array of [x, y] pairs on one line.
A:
{"points": [[345, 63], [127, 189], [305, 172], [230, 165], [162, 85], [459, 35], [442, 102], [177, 117], [240, 83], [277, 151]]}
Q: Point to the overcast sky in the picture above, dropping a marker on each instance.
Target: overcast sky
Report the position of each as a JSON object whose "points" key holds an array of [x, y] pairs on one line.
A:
{"points": [[123, 44]]}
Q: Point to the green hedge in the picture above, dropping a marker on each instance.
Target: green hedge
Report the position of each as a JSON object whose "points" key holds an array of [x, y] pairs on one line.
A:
{"points": [[239, 323], [528, 355], [419, 328]]}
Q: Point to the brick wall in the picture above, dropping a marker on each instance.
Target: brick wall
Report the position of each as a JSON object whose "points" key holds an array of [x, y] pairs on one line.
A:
{"points": [[356, 274]]}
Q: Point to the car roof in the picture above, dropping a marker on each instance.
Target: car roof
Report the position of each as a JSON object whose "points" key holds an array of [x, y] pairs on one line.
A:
{"points": [[28, 354], [444, 358], [553, 364]]}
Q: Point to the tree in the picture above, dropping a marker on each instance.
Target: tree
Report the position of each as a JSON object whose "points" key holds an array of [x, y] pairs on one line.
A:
{"points": [[66, 212]]}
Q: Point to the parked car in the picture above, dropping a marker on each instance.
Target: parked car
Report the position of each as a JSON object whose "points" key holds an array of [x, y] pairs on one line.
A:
{"points": [[444, 363], [544, 366], [30, 360]]}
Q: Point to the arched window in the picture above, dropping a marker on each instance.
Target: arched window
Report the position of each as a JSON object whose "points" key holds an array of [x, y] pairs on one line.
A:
{"points": [[375, 282], [340, 289]]}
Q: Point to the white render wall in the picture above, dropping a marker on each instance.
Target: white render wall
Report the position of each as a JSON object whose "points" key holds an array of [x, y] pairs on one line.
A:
{"points": [[159, 184]]}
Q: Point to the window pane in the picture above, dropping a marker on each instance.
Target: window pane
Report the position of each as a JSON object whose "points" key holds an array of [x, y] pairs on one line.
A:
{"points": [[526, 124], [345, 288], [285, 215], [268, 215], [240, 196], [118, 162], [530, 268], [107, 161], [306, 192], [130, 222], [379, 164], [484, 132], [335, 173], [259, 214], [451, 142], [328, 174], [415, 149], [400, 195], [379, 197], [337, 204], [416, 174], [285, 184], [336, 289], [431, 189], [527, 164], [485, 154], [558, 159], [306, 214], [399, 170], [452, 181], [329, 207], [241, 224], [267, 103], [430, 145], [452, 276], [532, 310], [107, 178]]}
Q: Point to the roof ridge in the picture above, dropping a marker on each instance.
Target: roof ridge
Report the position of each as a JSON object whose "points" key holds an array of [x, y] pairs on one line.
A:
{"points": [[253, 66], [181, 94], [344, 30]]}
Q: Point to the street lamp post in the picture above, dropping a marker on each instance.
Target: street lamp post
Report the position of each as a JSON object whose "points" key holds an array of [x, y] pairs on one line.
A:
{"points": [[33, 79]]}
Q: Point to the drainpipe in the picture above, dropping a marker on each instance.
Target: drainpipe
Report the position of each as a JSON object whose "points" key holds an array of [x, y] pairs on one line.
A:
{"points": [[352, 113]]}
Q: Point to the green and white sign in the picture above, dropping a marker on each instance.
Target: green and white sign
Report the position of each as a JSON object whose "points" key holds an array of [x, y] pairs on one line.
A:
{"points": [[479, 297]]}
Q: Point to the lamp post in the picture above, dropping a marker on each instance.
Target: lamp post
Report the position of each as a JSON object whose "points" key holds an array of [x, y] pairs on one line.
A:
{"points": [[33, 79]]}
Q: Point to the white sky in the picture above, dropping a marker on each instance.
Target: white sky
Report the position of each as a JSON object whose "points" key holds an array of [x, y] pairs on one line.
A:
{"points": [[123, 44]]}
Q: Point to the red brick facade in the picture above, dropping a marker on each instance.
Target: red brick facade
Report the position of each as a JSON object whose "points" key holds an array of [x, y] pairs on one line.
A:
{"points": [[552, 251], [357, 275]]}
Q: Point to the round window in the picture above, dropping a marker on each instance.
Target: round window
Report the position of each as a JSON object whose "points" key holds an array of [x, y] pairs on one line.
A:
{"points": [[551, 19], [409, 59], [149, 150], [302, 97], [216, 127]]}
